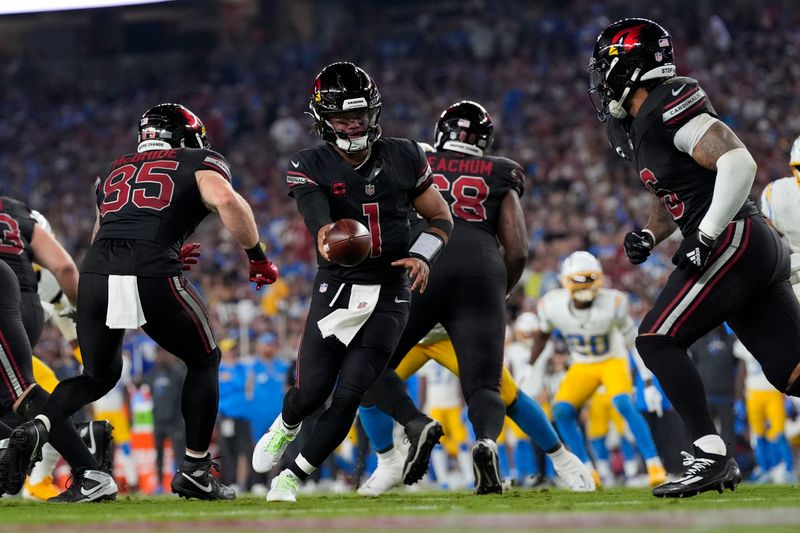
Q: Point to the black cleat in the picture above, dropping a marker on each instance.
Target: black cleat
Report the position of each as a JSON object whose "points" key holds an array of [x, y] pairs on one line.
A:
{"points": [[705, 471], [194, 480], [97, 437], [24, 451], [88, 486], [423, 434], [486, 465]]}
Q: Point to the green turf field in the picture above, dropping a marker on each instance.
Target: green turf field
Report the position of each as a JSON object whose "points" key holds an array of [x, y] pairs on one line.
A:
{"points": [[750, 508]]}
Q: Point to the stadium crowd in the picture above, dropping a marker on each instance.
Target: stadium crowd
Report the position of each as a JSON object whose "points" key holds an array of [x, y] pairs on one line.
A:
{"points": [[525, 62]]}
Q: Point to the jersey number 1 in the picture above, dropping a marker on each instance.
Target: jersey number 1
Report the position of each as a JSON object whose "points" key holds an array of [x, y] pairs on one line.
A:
{"points": [[120, 187]]}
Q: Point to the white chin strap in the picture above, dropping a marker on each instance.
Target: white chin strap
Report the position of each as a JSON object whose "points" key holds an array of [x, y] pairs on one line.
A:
{"points": [[354, 144], [615, 107]]}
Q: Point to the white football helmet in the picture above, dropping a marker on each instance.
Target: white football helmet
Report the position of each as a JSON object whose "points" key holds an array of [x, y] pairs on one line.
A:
{"points": [[582, 275], [794, 158]]}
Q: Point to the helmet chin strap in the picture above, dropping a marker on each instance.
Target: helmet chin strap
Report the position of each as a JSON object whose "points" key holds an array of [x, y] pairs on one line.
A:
{"points": [[616, 107]]}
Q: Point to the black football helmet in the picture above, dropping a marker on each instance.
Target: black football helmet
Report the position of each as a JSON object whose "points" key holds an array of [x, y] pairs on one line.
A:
{"points": [[344, 88], [629, 54], [171, 126], [464, 127]]}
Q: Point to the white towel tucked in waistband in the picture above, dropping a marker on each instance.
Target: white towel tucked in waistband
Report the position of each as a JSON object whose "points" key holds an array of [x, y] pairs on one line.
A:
{"points": [[345, 323], [124, 307]]}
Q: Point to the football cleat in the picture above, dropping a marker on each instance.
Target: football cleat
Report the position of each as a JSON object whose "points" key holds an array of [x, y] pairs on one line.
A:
{"points": [[423, 434], [386, 476], [486, 465], [704, 472], [24, 450], [577, 476], [656, 475], [42, 491], [97, 435], [88, 486], [194, 480], [284, 487], [272, 444]]}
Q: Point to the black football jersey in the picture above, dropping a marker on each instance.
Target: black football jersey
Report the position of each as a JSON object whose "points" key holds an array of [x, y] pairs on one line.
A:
{"points": [[684, 187], [378, 194], [16, 232], [149, 204]]}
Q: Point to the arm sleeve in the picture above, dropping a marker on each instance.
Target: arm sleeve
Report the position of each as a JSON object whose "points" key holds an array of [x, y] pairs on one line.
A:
{"points": [[217, 163], [736, 171]]}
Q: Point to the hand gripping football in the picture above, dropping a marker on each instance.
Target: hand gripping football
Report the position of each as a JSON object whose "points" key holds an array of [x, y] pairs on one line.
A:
{"points": [[348, 242]]}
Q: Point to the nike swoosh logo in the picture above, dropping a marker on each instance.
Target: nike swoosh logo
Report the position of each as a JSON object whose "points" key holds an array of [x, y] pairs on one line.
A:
{"points": [[204, 488], [398, 301], [92, 446], [92, 491], [295, 165], [678, 90]]}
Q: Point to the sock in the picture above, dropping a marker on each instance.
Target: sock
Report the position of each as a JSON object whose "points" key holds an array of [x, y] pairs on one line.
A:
{"points": [[193, 459], [523, 458], [502, 456], [637, 424], [680, 381], [762, 454], [464, 460], [627, 449], [567, 421], [631, 468], [712, 443], [654, 462], [785, 452], [378, 426], [439, 464], [45, 421], [531, 418], [487, 412], [301, 468], [599, 448], [604, 469], [45, 467]]}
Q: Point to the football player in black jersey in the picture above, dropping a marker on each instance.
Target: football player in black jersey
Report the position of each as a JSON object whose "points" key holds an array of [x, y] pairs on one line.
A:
{"points": [[23, 240], [358, 313], [467, 296], [148, 203], [731, 266]]}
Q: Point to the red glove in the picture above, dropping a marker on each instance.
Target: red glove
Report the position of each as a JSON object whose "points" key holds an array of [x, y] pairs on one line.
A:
{"points": [[263, 272], [189, 254]]}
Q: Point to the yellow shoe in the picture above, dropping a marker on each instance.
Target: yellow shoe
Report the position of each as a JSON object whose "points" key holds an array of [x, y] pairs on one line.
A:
{"points": [[596, 477], [43, 490], [657, 475]]}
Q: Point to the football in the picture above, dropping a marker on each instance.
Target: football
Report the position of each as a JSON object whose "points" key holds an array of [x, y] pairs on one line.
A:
{"points": [[348, 242]]}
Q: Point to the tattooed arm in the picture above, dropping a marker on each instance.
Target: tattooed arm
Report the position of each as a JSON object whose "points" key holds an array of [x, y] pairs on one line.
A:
{"points": [[660, 223]]}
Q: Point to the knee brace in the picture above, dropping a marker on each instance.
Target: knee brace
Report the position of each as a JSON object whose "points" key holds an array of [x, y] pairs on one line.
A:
{"points": [[563, 411]]}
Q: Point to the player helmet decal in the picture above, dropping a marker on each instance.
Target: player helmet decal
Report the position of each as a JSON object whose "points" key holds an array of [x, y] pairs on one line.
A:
{"points": [[582, 275], [168, 126], [794, 158], [628, 54], [464, 127], [345, 89]]}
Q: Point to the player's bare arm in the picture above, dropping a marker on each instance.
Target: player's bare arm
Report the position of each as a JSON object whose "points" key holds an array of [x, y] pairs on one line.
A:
{"points": [[49, 253], [235, 213], [660, 223], [513, 236], [432, 207], [717, 141], [540, 339]]}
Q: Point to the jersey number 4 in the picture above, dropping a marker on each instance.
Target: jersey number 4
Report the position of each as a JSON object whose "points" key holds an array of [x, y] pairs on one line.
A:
{"points": [[468, 192], [128, 184]]}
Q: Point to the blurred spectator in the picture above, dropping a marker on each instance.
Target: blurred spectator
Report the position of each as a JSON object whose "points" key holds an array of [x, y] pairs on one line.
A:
{"points": [[166, 384], [233, 428]]}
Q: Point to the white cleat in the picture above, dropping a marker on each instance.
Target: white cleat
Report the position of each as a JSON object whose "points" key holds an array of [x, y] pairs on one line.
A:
{"points": [[572, 471], [284, 487], [386, 476], [272, 444]]}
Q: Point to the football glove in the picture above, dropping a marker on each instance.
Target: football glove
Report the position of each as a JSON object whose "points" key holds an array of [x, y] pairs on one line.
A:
{"points": [[638, 245], [653, 400], [189, 254], [263, 272], [693, 252]]}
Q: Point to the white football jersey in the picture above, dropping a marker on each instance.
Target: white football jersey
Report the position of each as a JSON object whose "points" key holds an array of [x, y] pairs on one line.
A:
{"points": [[755, 380], [590, 333], [529, 378], [442, 387], [780, 202]]}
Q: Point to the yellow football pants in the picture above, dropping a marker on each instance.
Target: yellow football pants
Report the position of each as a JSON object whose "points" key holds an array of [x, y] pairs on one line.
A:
{"points": [[582, 380], [766, 408]]}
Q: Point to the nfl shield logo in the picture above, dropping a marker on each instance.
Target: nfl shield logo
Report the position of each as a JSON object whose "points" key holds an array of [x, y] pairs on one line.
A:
{"points": [[369, 188], [659, 57], [323, 287]]}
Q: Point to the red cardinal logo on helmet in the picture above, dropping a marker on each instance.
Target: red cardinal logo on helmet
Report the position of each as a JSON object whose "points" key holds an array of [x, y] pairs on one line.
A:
{"points": [[627, 39]]}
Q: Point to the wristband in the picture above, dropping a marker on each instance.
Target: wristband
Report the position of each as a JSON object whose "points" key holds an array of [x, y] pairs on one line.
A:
{"points": [[426, 247], [256, 253]]}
